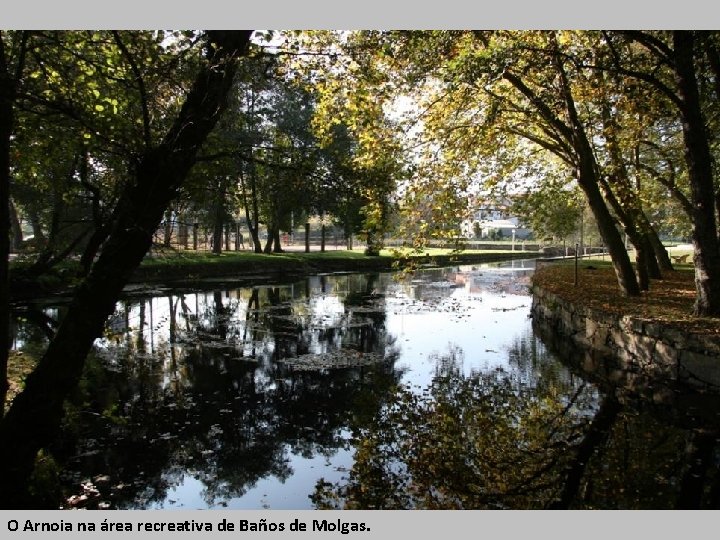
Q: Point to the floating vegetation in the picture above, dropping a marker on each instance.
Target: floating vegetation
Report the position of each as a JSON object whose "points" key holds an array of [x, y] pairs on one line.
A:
{"points": [[442, 285], [145, 290], [371, 308], [333, 360], [509, 308]]}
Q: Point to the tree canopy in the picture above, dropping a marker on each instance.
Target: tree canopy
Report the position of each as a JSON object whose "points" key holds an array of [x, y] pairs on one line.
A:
{"points": [[627, 118]]}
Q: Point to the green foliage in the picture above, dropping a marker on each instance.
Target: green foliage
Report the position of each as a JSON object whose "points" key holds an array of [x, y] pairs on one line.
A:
{"points": [[551, 210], [353, 96], [90, 103], [44, 484], [370, 129]]}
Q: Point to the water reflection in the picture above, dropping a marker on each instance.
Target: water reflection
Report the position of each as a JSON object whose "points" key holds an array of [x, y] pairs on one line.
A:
{"points": [[364, 391]]}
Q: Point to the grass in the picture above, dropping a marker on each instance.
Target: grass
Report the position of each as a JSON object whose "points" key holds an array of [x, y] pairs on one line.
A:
{"points": [[439, 252], [203, 258], [190, 258], [669, 301]]}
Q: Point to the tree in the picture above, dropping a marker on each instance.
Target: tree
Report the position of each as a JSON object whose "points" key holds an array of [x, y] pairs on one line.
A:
{"points": [[85, 114], [292, 182], [340, 181], [266, 151], [489, 90], [671, 63], [81, 116], [352, 99], [552, 210], [12, 65], [161, 168], [574, 145]]}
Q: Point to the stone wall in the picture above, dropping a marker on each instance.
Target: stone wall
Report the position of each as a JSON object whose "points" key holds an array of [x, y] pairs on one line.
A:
{"points": [[642, 347]]}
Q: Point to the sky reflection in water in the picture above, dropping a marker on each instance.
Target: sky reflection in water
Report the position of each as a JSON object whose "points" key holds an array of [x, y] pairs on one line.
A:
{"points": [[230, 399]]}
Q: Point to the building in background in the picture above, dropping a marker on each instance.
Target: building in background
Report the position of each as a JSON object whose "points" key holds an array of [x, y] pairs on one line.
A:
{"points": [[492, 220]]}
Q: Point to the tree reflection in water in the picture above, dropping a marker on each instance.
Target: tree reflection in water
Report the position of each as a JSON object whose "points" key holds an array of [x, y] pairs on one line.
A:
{"points": [[504, 439], [192, 397], [211, 399]]}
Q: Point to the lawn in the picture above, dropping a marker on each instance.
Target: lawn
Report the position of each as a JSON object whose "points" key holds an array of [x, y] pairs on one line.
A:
{"points": [[172, 258]]}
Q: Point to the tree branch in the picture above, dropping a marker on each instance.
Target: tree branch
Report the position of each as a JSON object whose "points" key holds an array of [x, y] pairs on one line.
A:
{"points": [[645, 77], [147, 136]]}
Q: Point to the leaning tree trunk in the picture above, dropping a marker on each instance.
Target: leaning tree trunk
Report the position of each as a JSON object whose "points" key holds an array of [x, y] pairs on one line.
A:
{"points": [[645, 263], [699, 164], [661, 254], [7, 97], [627, 204], [574, 134], [34, 418], [587, 178]]}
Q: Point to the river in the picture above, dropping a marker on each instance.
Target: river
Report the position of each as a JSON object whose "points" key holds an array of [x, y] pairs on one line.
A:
{"points": [[426, 390]]}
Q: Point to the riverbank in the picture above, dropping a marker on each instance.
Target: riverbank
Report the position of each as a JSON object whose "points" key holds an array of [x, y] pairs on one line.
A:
{"points": [[655, 335], [191, 269]]}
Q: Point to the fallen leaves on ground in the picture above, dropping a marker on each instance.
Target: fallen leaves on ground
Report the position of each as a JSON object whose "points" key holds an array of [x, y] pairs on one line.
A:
{"points": [[669, 301]]}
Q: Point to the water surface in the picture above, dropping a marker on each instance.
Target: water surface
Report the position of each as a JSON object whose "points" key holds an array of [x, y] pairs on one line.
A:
{"points": [[345, 390]]}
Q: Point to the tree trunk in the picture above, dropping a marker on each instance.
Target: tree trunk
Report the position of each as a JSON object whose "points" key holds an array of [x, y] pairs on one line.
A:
{"points": [[38, 233], [255, 236], [587, 171], [627, 204], [277, 244], [7, 98], [16, 234], [34, 418], [273, 232], [699, 164], [217, 236], [642, 266], [645, 265], [714, 60], [92, 247], [251, 207], [661, 255], [183, 234], [168, 228], [253, 227], [652, 263], [587, 179]]}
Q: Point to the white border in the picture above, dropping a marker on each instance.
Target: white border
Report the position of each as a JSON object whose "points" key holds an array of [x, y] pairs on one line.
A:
{"points": [[382, 525], [357, 14], [405, 14]]}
